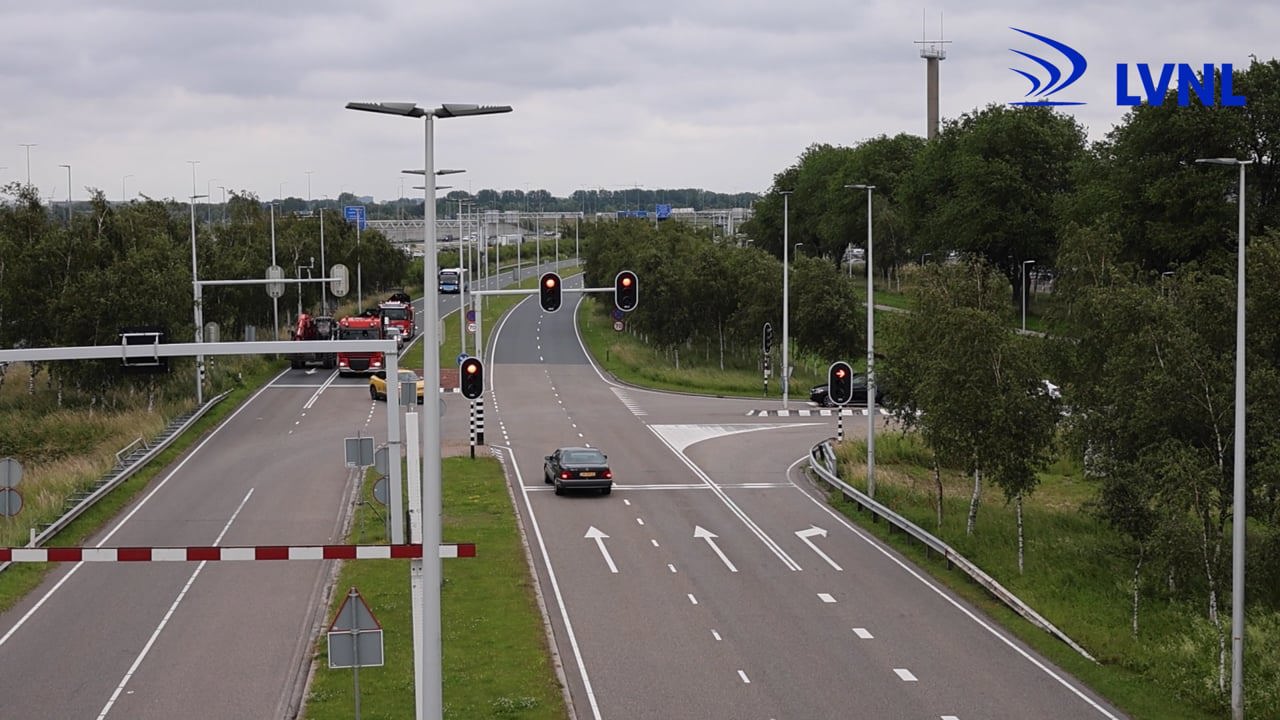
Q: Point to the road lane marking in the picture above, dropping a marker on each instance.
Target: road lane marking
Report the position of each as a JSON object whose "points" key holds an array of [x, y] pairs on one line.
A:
{"points": [[599, 537], [710, 537], [826, 597], [45, 598], [729, 503], [551, 575], [693, 599], [146, 649], [743, 675], [862, 633], [805, 536], [640, 520], [905, 674], [671, 567], [715, 635], [950, 717], [316, 395], [655, 542], [955, 603], [626, 502]]}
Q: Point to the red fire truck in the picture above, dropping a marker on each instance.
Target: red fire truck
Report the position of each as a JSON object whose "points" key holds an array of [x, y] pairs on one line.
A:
{"points": [[360, 327], [397, 312]]}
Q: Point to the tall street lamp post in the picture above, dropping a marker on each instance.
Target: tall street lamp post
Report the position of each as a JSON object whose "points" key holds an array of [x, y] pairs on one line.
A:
{"points": [[428, 687], [1022, 280], [871, 352], [275, 300], [68, 167], [786, 292], [195, 288], [28, 146], [1238, 506]]}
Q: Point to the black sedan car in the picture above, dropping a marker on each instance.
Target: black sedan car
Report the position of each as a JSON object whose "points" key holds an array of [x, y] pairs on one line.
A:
{"points": [[819, 395], [578, 467]]}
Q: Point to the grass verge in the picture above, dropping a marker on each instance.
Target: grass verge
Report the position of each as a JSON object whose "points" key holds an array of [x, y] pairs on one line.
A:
{"points": [[496, 661]]}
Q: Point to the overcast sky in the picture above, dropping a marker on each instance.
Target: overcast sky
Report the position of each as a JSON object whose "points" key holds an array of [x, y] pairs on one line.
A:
{"points": [[717, 94]]}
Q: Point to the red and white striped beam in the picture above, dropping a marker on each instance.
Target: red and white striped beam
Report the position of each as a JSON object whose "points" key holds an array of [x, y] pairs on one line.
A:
{"points": [[219, 554]]}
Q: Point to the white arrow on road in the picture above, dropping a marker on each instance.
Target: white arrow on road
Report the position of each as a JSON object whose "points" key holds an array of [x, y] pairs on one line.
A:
{"points": [[599, 537], [710, 537], [805, 535]]}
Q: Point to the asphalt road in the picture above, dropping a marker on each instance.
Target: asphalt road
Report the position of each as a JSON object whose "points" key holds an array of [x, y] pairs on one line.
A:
{"points": [[712, 583], [232, 640]]}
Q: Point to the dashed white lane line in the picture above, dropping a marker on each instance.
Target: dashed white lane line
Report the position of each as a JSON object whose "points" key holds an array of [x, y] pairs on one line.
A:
{"points": [[671, 567], [715, 635], [905, 674], [862, 633], [744, 677], [626, 502], [693, 599], [655, 542], [826, 597], [950, 717], [640, 521]]}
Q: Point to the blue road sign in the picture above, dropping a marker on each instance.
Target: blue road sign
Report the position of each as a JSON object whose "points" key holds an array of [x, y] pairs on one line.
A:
{"points": [[662, 211], [618, 314], [471, 316], [354, 214], [461, 357]]}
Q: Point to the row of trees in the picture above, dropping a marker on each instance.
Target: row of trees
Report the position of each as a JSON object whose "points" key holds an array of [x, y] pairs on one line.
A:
{"points": [[1004, 183], [695, 291], [117, 265]]}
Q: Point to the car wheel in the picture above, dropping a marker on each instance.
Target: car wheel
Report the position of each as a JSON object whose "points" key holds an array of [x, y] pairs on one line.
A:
{"points": [[606, 490], [373, 393], [559, 489], [546, 477]]}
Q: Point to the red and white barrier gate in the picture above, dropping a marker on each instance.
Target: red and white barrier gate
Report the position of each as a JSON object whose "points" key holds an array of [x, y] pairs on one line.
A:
{"points": [[218, 554]]}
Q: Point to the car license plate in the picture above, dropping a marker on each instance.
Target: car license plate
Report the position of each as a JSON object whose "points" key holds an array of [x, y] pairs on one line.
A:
{"points": [[589, 473]]}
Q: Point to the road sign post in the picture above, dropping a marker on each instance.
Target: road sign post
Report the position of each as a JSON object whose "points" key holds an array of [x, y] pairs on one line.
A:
{"points": [[355, 639]]}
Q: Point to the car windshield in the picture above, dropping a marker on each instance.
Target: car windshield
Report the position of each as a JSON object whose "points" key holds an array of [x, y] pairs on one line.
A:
{"points": [[394, 313], [357, 334], [583, 457]]}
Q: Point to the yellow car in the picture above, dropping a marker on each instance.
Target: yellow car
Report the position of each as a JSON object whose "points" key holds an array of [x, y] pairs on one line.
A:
{"points": [[378, 384]]}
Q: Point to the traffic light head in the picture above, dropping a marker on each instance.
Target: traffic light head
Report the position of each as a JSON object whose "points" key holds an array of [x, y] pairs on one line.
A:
{"points": [[471, 373], [626, 291], [549, 292], [840, 382], [768, 338]]}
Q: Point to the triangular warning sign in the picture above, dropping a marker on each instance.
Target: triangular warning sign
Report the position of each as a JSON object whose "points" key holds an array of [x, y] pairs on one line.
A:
{"points": [[354, 616]]}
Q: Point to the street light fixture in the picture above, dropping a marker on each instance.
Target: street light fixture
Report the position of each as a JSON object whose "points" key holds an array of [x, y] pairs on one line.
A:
{"points": [[1238, 504], [1022, 281], [28, 146], [68, 167], [429, 682], [871, 354], [786, 292]]}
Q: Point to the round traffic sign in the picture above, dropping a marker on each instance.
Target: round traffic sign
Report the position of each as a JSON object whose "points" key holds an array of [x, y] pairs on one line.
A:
{"points": [[619, 325], [471, 327], [10, 502], [10, 472]]}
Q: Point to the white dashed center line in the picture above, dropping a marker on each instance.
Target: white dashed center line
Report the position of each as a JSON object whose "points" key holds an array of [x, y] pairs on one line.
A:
{"points": [[905, 674], [826, 597], [671, 567], [693, 599], [715, 635], [744, 677], [862, 633]]}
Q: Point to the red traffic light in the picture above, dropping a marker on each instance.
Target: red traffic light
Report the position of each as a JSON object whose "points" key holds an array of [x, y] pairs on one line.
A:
{"points": [[549, 292], [840, 383], [626, 291], [472, 380], [840, 373]]}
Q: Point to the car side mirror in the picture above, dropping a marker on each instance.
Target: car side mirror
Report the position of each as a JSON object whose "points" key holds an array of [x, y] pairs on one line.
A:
{"points": [[547, 458]]}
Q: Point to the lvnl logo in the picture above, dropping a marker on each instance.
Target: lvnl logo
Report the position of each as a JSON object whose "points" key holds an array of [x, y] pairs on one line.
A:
{"points": [[1211, 85], [1044, 90], [1156, 89]]}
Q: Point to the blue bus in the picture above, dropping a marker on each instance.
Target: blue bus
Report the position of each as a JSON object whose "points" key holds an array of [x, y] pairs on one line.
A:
{"points": [[452, 280]]}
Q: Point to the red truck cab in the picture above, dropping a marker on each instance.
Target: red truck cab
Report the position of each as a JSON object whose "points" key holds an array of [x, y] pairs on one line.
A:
{"points": [[360, 328]]}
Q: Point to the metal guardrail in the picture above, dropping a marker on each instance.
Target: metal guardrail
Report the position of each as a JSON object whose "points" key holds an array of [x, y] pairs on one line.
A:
{"points": [[822, 460], [39, 539]]}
